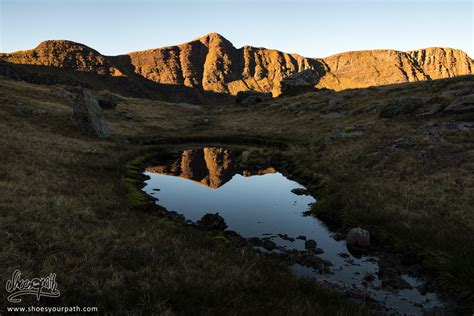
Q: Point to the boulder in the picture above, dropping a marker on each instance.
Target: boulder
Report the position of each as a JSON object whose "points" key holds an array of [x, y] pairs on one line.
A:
{"points": [[87, 114], [246, 98], [300, 82], [358, 239], [212, 222]]}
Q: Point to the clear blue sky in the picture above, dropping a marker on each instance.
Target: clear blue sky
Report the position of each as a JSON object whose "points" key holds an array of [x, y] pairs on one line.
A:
{"points": [[310, 28]]}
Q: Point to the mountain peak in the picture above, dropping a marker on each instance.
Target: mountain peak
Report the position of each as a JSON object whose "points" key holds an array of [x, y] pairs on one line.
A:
{"points": [[64, 44], [214, 38]]}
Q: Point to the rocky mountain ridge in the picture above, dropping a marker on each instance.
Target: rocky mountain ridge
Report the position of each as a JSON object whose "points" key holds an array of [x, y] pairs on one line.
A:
{"points": [[212, 66]]}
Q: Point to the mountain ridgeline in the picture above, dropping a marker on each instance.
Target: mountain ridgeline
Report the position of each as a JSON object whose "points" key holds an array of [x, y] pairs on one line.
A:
{"points": [[210, 69]]}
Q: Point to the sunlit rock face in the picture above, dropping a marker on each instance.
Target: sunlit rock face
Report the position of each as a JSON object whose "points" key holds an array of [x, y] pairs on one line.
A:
{"points": [[66, 55], [211, 65], [210, 166]]}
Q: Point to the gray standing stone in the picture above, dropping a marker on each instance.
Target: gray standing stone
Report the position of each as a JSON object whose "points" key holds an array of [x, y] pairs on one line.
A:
{"points": [[87, 114]]}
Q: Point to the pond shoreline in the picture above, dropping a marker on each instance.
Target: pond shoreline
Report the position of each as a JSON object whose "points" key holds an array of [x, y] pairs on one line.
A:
{"points": [[286, 168]]}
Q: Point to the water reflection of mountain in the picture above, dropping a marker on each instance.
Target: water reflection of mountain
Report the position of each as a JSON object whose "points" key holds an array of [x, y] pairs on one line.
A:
{"points": [[211, 166]]}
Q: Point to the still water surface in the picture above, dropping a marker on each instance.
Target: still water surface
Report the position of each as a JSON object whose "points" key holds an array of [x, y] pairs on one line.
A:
{"points": [[208, 180]]}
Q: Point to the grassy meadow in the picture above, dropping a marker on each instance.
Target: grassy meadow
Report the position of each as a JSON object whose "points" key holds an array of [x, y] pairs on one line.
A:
{"points": [[71, 204]]}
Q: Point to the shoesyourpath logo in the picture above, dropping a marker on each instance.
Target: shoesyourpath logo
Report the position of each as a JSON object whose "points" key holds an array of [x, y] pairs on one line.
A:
{"points": [[39, 287]]}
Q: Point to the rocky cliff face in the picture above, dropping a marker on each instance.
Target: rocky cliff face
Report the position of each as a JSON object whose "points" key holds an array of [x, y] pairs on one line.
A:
{"points": [[369, 68], [211, 64], [362, 69], [440, 63]]}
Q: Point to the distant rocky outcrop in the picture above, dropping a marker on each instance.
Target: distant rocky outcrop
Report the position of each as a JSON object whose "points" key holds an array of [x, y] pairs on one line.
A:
{"points": [[210, 69], [246, 98], [438, 63], [67, 55], [87, 114], [300, 82], [361, 69]]}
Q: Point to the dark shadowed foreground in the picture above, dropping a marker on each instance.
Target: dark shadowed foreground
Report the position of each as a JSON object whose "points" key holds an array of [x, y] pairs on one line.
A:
{"points": [[396, 160]]}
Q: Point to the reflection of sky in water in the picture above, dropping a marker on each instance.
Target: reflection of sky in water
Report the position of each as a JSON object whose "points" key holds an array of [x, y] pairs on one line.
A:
{"points": [[258, 205], [250, 205]]}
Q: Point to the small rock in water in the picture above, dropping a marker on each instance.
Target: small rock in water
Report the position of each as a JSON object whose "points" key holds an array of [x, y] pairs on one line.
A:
{"points": [[338, 236], [315, 262], [343, 255], [390, 273], [212, 222], [310, 245], [286, 237], [300, 191], [156, 189], [423, 289], [301, 237], [318, 251]]}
